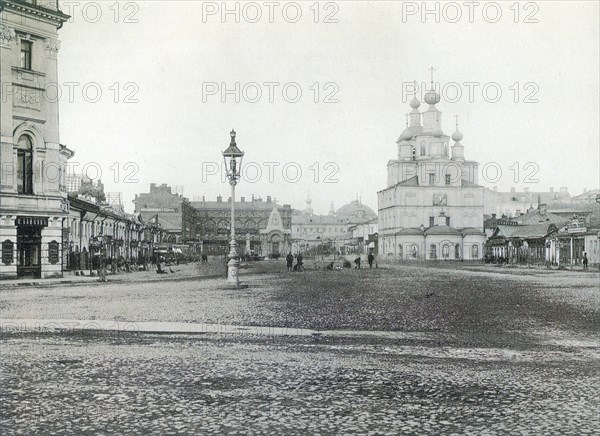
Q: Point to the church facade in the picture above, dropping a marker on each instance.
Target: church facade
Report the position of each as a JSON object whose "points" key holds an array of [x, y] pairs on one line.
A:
{"points": [[433, 206]]}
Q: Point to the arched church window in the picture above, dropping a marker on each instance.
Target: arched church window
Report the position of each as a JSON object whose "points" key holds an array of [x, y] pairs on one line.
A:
{"points": [[446, 251], [423, 149], [457, 251], [25, 165], [414, 251], [475, 252], [432, 251]]}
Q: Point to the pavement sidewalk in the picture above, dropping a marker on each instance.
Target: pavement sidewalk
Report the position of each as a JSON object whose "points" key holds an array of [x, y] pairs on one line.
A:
{"points": [[181, 272]]}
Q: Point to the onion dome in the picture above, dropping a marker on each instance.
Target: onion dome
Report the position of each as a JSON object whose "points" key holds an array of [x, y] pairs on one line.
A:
{"points": [[457, 135], [406, 134], [432, 97], [415, 103]]}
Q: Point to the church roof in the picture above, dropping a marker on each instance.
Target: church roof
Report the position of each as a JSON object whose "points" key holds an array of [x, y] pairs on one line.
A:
{"points": [[413, 181], [410, 231], [442, 230], [472, 231], [466, 184]]}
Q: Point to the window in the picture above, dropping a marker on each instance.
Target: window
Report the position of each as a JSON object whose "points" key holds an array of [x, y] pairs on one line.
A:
{"points": [[448, 221], [432, 251], [457, 251], [431, 179], [447, 179], [24, 165], [475, 252], [423, 149], [25, 55], [431, 219], [446, 251]]}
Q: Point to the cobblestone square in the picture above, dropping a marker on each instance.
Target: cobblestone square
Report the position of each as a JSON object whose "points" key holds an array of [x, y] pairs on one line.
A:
{"points": [[463, 350]]}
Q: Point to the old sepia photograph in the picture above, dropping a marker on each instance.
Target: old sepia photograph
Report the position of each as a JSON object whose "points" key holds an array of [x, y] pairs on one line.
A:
{"points": [[299, 217]]}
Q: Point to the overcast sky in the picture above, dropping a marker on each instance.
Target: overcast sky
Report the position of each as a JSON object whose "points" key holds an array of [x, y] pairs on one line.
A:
{"points": [[169, 120]]}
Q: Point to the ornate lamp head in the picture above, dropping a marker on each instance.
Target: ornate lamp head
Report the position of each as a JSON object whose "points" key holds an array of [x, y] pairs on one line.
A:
{"points": [[232, 153]]}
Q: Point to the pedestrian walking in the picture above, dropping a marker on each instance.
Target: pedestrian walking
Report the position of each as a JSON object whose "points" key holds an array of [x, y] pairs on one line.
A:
{"points": [[290, 261], [357, 262], [299, 263], [585, 262], [370, 259]]}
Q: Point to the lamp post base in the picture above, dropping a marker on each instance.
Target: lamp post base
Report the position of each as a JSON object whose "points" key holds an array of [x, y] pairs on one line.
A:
{"points": [[233, 281]]}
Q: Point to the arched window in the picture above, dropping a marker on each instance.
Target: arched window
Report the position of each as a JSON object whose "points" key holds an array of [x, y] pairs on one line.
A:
{"points": [[446, 251], [400, 253], [423, 148], [432, 251], [25, 165], [414, 251], [457, 251], [475, 251]]}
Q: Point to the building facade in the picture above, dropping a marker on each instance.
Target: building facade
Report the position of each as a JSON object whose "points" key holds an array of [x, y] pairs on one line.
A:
{"points": [[208, 224], [33, 196], [433, 206], [342, 230], [164, 207]]}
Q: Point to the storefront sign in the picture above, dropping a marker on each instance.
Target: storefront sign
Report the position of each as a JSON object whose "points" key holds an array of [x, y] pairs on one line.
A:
{"points": [[53, 252], [7, 252], [576, 226], [32, 221]]}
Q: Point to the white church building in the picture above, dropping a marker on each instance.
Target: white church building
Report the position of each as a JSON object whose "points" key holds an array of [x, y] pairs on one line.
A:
{"points": [[432, 207]]}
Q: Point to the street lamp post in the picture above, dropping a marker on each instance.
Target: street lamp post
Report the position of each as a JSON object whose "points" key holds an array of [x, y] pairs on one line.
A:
{"points": [[233, 175]]}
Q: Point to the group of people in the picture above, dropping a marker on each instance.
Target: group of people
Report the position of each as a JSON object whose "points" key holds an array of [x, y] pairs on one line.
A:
{"points": [[289, 259], [331, 266]]}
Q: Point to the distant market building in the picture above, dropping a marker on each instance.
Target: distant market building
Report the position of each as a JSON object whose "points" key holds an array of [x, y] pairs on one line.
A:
{"points": [[261, 226]]}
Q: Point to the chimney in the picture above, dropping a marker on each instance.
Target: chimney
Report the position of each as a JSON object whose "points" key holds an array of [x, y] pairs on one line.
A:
{"points": [[543, 208], [552, 189], [493, 216], [243, 199], [518, 212], [219, 199], [268, 198], [152, 186]]}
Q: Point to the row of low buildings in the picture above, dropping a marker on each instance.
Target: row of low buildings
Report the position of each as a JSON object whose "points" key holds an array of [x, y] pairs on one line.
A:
{"points": [[262, 226]]}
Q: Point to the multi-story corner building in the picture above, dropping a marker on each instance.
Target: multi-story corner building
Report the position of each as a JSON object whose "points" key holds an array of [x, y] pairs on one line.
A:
{"points": [[33, 197], [433, 205], [208, 223]]}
